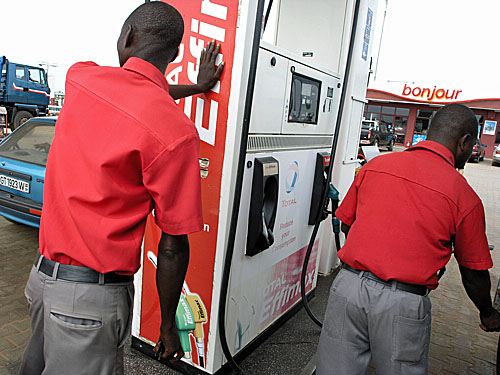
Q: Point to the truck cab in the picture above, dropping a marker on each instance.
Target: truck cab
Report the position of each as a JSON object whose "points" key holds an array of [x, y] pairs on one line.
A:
{"points": [[24, 91]]}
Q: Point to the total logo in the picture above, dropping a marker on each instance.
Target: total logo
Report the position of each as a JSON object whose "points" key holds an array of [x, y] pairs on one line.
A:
{"points": [[292, 177]]}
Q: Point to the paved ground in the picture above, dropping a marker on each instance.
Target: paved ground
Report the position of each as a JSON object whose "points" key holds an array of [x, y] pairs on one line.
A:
{"points": [[458, 346]]}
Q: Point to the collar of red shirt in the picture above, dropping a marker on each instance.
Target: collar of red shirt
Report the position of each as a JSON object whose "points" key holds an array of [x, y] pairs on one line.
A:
{"points": [[437, 148], [146, 69]]}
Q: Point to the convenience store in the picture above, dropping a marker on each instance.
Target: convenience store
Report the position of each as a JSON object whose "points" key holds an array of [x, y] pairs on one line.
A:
{"points": [[408, 107]]}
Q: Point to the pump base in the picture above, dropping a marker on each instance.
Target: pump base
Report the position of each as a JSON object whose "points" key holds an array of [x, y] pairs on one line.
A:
{"points": [[187, 369]]}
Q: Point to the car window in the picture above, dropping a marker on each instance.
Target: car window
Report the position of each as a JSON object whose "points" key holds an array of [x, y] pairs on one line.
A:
{"points": [[383, 128], [20, 72], [365, 125], [30, 143]]}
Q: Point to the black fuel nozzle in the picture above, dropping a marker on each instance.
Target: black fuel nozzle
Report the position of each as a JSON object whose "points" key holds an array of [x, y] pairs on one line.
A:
{"points": [[333, 195], [336, 225]]}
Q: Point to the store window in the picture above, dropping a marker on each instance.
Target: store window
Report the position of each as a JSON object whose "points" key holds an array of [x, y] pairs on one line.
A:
{"points": [[396, 119], [480, 124], [422, 125], [400, 123]]}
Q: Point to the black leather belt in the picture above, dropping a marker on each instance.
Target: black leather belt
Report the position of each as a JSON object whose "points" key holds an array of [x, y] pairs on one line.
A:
{"points": [[79, 274], [421, 290]]}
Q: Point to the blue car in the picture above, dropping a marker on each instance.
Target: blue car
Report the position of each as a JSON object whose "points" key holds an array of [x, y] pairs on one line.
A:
{"points": [[23, 157]]}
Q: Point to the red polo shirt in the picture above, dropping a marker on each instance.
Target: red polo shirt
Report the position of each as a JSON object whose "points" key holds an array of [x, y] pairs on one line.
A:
{"points": [[121, 148], [406, 210]]}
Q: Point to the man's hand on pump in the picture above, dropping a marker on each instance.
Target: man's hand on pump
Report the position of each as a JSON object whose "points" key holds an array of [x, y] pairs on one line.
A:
{"points": [[208, 74]]}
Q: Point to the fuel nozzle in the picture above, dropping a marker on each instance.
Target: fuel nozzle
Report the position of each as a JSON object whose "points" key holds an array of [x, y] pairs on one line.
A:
{"points": [[333, 195], [200, 317], [184, 321]]}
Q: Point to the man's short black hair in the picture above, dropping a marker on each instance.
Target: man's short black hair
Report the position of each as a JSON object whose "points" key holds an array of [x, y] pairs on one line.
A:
{"points": [[451, 122], [158, 23]]}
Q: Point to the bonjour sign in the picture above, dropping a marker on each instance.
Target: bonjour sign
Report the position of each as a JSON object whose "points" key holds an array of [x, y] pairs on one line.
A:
{"points": [[430, 94]]}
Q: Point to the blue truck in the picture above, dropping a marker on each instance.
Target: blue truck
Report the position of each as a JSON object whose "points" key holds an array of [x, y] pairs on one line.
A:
{"points": [[24, 91]]}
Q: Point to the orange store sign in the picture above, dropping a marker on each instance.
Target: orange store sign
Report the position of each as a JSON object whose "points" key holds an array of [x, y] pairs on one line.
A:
{"points": [[430, 94]]}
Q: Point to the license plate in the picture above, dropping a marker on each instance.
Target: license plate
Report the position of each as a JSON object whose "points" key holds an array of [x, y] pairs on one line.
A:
{"points": [[365, 142], [15, 184]]}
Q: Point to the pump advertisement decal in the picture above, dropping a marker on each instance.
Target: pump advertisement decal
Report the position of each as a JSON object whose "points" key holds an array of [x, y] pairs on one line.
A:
{"points": [[274, 290], [204, 21]]}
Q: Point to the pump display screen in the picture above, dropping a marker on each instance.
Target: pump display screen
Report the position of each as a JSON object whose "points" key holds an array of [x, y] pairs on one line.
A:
{"points": [[304, 99]]}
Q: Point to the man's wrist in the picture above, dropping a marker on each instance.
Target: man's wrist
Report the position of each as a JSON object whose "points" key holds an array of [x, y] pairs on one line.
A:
{"points": [[200, 88], [486, 312], [168, 326]]}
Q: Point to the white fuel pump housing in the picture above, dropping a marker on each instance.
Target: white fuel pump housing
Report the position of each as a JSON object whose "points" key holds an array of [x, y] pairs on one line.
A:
{"points": [[300, 73]]}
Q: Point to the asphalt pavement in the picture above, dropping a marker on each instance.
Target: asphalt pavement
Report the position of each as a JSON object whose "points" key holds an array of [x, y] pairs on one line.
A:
{"points": [[458, 345]]}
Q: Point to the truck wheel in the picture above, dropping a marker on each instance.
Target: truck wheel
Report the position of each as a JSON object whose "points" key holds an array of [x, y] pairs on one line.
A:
{"points": [[391, 145], [20, 118]]}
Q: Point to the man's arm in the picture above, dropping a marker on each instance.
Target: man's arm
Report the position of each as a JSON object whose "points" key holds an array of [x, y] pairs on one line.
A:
{"points": [[173, 260], [477, 284], [345, 229], [207, 74]]}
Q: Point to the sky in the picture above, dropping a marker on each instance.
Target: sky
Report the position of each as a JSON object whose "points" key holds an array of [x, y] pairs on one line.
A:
{"points": [[451, 43], [63, 32]]}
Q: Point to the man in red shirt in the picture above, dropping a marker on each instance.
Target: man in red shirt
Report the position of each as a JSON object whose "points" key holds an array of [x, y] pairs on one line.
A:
{"points": [[122, 148], [405, 214]]}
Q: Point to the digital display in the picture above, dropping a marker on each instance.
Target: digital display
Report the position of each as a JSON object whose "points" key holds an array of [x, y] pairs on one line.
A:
{"points": [[304, 99]]}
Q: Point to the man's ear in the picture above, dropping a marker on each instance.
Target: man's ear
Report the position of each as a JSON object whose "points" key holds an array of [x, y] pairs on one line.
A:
{"points": [[129, 35], [465, 141]]}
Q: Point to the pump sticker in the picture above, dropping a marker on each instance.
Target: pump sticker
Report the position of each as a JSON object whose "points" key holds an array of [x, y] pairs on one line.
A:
{"points": [[368, 31], [270, 169]]}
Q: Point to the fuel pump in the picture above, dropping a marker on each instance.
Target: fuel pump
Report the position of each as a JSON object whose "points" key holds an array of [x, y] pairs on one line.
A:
{"points": [[262, 127]]}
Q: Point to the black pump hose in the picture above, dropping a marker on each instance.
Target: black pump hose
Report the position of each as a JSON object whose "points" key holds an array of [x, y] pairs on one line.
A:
{"points": [[330, 168], [238, 189]]}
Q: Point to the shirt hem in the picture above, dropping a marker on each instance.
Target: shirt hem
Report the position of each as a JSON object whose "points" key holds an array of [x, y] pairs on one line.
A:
{"points": [[479, 266]]}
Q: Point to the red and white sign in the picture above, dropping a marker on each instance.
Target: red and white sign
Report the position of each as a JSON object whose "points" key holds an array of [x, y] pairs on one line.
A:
{"points": [[430, 94]]}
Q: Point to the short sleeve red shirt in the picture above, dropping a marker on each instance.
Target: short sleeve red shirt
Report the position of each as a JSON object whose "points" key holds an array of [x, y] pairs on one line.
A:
{"points": [[122, 148], [407, 211]]}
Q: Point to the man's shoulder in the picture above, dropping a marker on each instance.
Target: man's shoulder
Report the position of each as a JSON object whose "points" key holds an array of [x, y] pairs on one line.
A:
{"points": [[81, 70], [429, 171], [142, 107], [167, 122]]}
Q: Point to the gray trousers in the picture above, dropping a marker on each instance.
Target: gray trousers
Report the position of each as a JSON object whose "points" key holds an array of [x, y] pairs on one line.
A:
{"points": [[366, 319], [77, 328]]}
